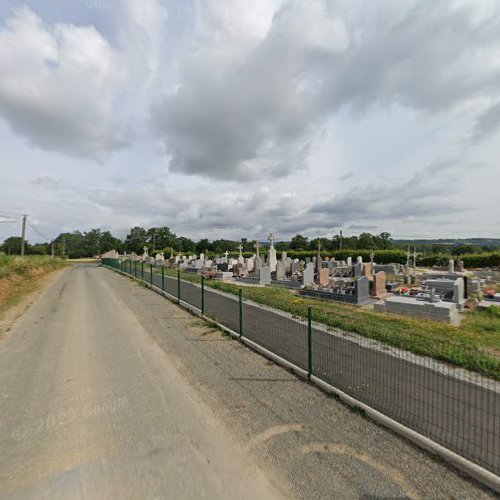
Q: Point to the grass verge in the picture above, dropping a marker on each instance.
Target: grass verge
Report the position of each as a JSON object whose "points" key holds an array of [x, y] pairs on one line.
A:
{"points": [[475, 345], [21, 275]]}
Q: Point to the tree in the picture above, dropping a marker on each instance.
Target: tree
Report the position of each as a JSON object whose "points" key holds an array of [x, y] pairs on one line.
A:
{"points": [[366, 241], [71, 245], [184, 244], [160, 237], [203, 245], [281, 246], [299, 242], [136, 239], [12, 245]]}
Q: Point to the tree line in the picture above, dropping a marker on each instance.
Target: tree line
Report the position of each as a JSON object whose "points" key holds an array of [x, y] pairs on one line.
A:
{"points": [[78, 244]]}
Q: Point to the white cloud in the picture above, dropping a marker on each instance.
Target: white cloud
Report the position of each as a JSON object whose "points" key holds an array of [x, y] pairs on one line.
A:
{"points": [[58, 84]]}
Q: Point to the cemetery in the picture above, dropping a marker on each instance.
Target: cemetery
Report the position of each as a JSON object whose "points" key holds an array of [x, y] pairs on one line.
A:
{"points": [[438, 294], [425, 310]]}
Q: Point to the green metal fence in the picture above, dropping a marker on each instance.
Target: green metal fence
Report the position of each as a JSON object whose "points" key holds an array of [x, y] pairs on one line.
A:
{"points": [[461, 413]]}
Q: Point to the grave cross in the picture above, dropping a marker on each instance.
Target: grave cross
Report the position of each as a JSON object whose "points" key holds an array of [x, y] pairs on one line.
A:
{"points": [[318, 259], [372, 256], [257, 246], [226, 253], [145, 250], [271, 239], [240, 248], [408, 257], [415, 253]]}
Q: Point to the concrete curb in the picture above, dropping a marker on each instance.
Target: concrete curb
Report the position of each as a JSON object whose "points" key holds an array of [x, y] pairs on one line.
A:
{"points": [[473, 470]]}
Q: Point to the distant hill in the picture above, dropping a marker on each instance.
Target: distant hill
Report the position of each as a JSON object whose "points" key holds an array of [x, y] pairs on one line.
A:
{"points": [[490, 242]]}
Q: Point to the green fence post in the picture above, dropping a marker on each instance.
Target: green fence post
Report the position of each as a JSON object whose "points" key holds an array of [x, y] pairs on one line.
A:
{"points": [[162, 278], [178, 286], [309, 342], [130, 267], [202, 294], [151, 273], [135, 268], [240, 296], [142, 271]]}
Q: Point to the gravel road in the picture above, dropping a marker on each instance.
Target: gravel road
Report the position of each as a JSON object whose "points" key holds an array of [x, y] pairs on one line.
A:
{"points": [[110, 391]]}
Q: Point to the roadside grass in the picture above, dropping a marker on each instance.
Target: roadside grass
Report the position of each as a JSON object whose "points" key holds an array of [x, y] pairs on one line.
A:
{"points": [[474, 345], [20, 276]]}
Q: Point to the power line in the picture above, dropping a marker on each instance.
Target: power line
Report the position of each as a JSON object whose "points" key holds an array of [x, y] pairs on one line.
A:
{"points": [[36, 231]]}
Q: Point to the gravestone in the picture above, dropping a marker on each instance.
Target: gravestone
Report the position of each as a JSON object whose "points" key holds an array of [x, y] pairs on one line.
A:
{"points": [[358, 269], [324, 277], [368, 270], [308, 274], [271, 259], [265, 276], [378, 289], [362, 289], [319, 261], [250, 264], [159, 259], [280, 270], [295, 267], [258, 263], [349, 261], [451, 266], [359, 259]]}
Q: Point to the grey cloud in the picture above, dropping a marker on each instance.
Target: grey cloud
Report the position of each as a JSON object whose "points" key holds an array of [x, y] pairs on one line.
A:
{"points": [[488, 123], [362, 227], [233, 215], [425, 194], [244, 117]]}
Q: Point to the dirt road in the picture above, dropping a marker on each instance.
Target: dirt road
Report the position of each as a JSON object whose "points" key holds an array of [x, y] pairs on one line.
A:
{"points": [[108, 390]]}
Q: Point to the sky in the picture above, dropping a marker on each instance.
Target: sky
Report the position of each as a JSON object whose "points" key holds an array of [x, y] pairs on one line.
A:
{"points": [[232, 119]]}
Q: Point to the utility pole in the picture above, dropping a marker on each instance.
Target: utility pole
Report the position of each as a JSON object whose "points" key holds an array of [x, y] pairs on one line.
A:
{"points": [[64, 247], [23, 234], [52, 245]]}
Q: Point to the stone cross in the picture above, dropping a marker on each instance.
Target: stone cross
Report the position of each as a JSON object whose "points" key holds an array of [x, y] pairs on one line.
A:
{"points": [[257, 246], [318, 259], [415, 256], [408, 257], [226, 253], [145, 250], [271, 239], [372, 256], [240, 248]]}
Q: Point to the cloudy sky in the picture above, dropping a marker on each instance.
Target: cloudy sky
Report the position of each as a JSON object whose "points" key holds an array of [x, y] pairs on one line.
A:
{"points": [[231, 118]]}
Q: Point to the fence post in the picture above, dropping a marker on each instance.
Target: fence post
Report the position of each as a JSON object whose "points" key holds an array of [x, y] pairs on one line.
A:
{"points": [[309, 342], [162, 278], [142, 270], [178, 286], [135, 268], [130, 267], [202, 294], [240, 295]]}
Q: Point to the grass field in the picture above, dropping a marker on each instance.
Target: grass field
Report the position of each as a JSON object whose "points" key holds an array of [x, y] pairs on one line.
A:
{"points": [[21, 275], [475, 345]]}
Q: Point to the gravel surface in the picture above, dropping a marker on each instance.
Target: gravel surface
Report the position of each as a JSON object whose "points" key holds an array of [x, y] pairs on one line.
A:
{"points": [[109, 390]]}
